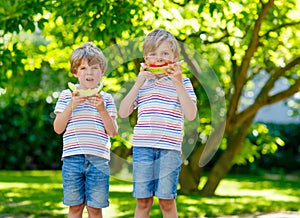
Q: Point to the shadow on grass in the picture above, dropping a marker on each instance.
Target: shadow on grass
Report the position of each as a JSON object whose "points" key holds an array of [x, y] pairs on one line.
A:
{"points": [[30, 193], [39, 194], [241, 194]]}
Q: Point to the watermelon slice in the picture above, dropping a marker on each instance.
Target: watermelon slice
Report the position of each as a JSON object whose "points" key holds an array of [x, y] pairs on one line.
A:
{"points": [[85, 92], [159, 69]]}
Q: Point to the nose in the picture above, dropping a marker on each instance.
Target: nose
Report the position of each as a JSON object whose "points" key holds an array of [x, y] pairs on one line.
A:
{"points": [[89, 71], [159, 58]]}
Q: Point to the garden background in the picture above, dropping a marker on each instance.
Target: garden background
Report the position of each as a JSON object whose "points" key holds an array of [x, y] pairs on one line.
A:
{"points": [[234, 52]]}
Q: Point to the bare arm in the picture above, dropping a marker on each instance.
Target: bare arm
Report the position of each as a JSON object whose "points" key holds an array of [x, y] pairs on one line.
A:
{"points": [[127, 104], [61, 120], [110, 123], [188, 106]]}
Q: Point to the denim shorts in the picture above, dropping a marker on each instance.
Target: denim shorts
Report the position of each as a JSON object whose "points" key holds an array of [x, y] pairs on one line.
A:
{"points": [[85, 181], [155, 172]]}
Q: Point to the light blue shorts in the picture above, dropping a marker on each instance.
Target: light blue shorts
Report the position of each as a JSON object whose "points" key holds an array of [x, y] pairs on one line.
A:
{"points": [[85, 181], [155, 172]]}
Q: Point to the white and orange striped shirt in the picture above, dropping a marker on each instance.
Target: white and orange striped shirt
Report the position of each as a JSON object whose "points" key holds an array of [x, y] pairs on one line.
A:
{"points": [[85, 132], [160, 117]]}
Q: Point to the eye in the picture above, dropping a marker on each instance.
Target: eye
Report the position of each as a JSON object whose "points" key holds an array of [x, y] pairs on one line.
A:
{"points": [[152, 54]]}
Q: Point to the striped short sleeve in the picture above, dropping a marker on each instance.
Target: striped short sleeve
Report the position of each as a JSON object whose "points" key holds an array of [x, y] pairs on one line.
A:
{"points": [[85, 132]]}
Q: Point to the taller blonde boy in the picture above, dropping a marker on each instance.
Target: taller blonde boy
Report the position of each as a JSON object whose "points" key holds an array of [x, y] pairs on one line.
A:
{"points": [[163, 100]]}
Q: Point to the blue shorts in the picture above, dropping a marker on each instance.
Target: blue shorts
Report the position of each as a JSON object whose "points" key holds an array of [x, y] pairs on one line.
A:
{"points": [[85, 181], [155, 172]]}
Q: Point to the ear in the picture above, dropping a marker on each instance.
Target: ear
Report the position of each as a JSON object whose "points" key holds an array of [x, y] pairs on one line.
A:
{"points": [[176, 57], [145, 58]]}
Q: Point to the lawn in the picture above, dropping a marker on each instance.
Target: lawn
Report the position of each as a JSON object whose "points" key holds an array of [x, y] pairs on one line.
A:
{"points": [[39, 194]]}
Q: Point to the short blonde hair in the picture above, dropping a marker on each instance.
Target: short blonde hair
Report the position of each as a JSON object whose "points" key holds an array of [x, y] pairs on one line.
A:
{"points": [[156, 37], [90, 52]]}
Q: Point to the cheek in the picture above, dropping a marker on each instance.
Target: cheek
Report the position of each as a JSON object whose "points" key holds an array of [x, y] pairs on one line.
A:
{"points": [[169, 57], [79, 75], [98, 75]]}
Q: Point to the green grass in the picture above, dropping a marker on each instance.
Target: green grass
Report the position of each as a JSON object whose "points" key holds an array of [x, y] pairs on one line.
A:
{"points": [[39, 194]]}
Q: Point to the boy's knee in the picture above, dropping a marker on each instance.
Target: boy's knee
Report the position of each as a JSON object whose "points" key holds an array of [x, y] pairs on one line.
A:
{"points": [[166, 205], [94, 212], [78, 209], [144, 203]]}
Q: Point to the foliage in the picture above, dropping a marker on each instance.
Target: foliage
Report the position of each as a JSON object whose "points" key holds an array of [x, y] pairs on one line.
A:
{"points": [[39, 194], [259, 142], [29, 141], [286, 158], [239, 51], [238, 40], [294, 105]]}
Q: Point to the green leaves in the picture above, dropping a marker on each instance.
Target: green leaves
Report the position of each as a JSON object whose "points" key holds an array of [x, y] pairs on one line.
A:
{"points": [[20, 15], [38, 36]]}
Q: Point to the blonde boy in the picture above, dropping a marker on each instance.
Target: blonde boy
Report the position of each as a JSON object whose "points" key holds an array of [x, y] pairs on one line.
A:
{"points": [[163, 100]]}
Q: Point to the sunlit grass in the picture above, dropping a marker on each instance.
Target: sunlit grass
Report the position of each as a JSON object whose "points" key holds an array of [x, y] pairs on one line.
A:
{"points": [[39, 194]]}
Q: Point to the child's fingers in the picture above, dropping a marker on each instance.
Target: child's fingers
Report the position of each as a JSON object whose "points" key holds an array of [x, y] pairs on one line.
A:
{"points": [[75, 93], [146, 74], [96, 99], [144, 66]]}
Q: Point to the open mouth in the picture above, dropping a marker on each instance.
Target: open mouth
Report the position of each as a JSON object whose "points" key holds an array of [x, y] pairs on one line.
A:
{"points": [[159, 68], [89, 79]]}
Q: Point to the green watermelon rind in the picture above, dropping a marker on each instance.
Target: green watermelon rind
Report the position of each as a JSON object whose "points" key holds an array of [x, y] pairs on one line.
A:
{"points": [[84, 92], [158, 70], [88, 92]]}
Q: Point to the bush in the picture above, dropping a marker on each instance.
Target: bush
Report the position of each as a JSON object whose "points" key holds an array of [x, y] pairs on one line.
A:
{"points": [[27, 139], [287, 157]]}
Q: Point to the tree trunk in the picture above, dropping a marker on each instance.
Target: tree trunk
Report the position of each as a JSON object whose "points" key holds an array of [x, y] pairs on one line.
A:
{"points": [[225, 162], [118, 157], [191, 172], [192, 168]]}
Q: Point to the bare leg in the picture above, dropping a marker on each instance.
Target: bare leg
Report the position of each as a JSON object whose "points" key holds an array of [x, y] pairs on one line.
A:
{"points": [[76, 211], [143, 207], [168, 208], [94, 212]]}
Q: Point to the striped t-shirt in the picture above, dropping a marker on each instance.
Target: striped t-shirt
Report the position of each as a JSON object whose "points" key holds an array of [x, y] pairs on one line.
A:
{"points": [[85, 132], [160, 117]]}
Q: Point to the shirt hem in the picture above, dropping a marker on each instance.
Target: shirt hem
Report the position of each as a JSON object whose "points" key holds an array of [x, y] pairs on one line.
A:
{"points": [[101, 156], [143, 146]]}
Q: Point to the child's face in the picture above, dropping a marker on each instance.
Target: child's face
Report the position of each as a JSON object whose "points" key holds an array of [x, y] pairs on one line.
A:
{"points": [[88, 75], [162, 55]]}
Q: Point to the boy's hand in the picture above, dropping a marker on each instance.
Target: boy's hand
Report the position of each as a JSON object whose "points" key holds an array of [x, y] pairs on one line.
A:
{"points": [[97, 101], [144, 75], [76, 100], [174, 71]]}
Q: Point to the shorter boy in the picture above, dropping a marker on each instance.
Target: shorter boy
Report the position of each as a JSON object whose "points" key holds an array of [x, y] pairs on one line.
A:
{"points": [[87, 122]]}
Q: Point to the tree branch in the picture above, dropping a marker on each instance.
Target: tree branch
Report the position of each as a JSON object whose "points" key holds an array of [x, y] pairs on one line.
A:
{"points": [[252, 110], [264, 98], [284, 94], [274, 76], [217, 40], [233, 64], [220, 39], [279, 27], [242, 77], [253, 45]]}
